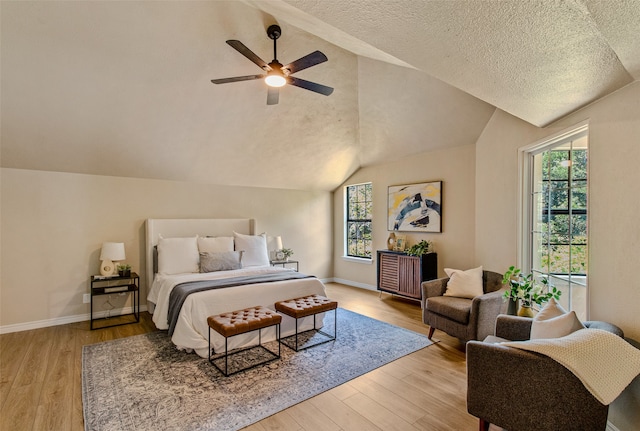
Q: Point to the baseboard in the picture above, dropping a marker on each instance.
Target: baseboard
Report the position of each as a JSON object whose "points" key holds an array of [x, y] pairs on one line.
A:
{"points": [[327, 280], [19, 327], [355, 284]]}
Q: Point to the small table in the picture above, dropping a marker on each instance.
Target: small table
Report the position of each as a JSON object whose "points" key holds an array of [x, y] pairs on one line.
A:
{"points": [[101, 285], [283, 263]]}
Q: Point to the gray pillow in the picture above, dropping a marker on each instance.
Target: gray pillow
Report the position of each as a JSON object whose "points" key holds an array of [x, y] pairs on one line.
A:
{"points": [[220, 261]]}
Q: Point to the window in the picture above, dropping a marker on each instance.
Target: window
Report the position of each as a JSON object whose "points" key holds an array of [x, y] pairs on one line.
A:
{"points": [[358, 209], [556, 243]]}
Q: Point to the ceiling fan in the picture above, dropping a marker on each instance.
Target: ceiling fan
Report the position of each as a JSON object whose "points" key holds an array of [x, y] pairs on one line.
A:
{"points": [[278, 75]]}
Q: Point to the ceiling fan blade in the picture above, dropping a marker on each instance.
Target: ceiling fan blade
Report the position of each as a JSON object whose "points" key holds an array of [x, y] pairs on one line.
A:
{"points": [[308, 85], [273, 95], [308, 60], [242, 49], [237, 79]]}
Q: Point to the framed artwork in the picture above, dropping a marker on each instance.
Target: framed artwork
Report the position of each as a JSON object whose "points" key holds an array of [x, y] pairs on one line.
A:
{"points": [[401, 243], [415, 207]]}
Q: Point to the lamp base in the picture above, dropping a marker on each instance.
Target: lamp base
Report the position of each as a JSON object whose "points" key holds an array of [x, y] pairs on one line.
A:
{"points": [[107, 267]]}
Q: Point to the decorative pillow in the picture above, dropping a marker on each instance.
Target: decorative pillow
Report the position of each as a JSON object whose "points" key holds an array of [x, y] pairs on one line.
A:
{"points": [[550, 310], [178, 255], [555, 327], [464, 284], [215, 244], [254, 247], [220, 261]]}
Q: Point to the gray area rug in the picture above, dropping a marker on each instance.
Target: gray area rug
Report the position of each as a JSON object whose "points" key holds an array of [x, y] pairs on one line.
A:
{"points": [[144, 383]]}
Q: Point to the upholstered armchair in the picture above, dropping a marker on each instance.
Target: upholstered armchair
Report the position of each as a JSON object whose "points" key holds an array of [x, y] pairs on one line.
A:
{"points": [[521, 391], [463, 318]]}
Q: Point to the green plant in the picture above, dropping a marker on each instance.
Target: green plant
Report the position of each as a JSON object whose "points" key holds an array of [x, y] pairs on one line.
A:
{"points": [[124, 267], [423, 247], [287, 252], [527, 288]]}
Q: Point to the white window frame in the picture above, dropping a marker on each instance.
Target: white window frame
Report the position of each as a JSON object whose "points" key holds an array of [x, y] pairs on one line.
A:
{"points": [[525, 181]]}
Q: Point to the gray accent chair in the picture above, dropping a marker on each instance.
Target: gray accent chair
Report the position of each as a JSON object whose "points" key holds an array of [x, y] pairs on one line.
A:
{"points": [[523, 391], [465, 319]]}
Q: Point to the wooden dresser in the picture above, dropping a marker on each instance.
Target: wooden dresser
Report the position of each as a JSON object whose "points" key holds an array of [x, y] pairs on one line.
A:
{"points": [[401, 274]]}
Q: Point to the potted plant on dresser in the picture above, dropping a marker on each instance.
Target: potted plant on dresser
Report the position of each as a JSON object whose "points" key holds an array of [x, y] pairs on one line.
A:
{"points": [[423, 247]]}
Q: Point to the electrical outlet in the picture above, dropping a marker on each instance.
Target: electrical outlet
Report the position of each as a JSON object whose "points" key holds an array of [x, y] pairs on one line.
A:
{"points": [[86, 298]]}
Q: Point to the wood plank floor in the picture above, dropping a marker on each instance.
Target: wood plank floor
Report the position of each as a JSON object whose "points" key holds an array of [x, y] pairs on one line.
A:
{"points": [[40, 378]]}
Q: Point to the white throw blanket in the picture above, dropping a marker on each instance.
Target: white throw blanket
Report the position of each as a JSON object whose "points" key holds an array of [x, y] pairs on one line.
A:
{"points": [[604, 362]]}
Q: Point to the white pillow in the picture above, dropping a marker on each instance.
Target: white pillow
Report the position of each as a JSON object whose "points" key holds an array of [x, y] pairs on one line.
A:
{"points": [[215, 245], [550, 310], [464, 284], [178, 255], [555, 327], [254, 247], [553, 321]]}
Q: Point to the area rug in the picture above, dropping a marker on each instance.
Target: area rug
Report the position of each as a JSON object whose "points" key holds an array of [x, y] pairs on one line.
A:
{"points": [[144, 383]]}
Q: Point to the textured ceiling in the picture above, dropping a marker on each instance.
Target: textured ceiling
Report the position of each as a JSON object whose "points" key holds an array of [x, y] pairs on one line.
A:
{"points": [[123, 88], [537, 59]]}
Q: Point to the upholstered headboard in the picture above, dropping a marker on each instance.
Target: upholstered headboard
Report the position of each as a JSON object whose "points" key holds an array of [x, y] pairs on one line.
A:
{"points": [[171, 228]]}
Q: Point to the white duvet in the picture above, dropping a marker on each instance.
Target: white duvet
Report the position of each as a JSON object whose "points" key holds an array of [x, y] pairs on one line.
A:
{"points": [[191, 330]]}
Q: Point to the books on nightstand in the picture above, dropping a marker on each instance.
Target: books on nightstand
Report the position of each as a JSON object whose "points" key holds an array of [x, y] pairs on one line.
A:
{"points": [[104, 277]]}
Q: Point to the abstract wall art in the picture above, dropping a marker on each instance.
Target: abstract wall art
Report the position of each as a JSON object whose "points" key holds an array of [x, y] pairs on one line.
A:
{"points": [[415, 207]]}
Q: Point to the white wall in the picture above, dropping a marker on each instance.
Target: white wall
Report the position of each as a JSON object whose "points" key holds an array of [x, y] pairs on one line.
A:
{"points": [[455, 247], [614, 236], [614, 208], [497, 188], [53, 225]]}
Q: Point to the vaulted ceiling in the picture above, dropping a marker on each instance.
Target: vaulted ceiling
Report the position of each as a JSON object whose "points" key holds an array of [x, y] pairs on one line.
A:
{"points": [[123, 88]]}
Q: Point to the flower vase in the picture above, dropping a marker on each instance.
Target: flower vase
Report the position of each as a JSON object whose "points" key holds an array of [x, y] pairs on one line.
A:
{"points": [[525, 311]]}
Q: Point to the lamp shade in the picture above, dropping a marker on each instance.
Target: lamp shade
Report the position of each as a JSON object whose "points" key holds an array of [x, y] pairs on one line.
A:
{"points": [[278, 243], [112, 251]]}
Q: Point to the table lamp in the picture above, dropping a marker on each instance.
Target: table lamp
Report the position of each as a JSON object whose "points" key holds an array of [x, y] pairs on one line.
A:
{"points": [[278, 250], [278, 243], [110, 251]]}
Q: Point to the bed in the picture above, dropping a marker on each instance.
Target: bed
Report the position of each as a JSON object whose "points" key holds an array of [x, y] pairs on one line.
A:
{"points": [[173, 277]]}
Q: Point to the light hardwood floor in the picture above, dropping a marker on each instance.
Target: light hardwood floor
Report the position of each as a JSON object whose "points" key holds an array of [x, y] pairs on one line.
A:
{"points": [[40, 378]]}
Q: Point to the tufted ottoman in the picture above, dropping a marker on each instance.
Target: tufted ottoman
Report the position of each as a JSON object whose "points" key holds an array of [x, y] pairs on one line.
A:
{"points": [[240, 322], [298, 308]]}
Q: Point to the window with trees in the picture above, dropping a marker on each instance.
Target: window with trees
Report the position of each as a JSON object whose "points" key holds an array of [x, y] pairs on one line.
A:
{"points": [[558, 246], [359, 207]]}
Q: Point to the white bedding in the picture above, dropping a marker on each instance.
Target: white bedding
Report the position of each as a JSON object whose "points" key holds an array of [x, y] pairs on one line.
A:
{"points": [[191, 330]]}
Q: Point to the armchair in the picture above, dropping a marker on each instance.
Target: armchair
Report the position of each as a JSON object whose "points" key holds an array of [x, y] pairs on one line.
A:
{"points": [[521, 391], [466, 319]]}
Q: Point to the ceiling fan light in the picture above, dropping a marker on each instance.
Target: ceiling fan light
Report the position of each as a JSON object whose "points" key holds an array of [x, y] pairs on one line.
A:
{"points": [[275, 80]]}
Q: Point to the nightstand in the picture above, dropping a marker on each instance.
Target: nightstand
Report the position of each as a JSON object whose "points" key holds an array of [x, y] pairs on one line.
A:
{"points": [[284, 263], [101, 285]]}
